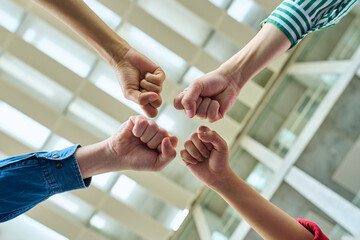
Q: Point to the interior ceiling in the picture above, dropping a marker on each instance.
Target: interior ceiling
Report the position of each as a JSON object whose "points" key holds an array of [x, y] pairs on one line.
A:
{"points": [[74, 101]]}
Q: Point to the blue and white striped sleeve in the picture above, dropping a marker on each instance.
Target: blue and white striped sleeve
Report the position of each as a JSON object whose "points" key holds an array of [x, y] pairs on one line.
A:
{"points": [[297, 18]]}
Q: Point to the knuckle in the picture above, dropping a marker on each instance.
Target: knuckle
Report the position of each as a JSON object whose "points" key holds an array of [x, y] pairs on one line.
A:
{"points": [[142, 122], [163, 132], [151, 146], [194, 136], [187, 143], [182, 153]]}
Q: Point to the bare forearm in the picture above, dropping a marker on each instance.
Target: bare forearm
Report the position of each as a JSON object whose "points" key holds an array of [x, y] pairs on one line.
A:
{"points": [[266, 219], [93, 159], [81, 19], [267, 45]]}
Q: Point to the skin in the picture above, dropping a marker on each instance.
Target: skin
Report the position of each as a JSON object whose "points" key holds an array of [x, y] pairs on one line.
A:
{"points": [[139, 144], [207, 157], [140, 79], [213, 94]]}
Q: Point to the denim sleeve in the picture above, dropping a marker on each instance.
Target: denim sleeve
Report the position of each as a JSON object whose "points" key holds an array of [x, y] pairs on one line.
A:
{"points": [[30, 179]]}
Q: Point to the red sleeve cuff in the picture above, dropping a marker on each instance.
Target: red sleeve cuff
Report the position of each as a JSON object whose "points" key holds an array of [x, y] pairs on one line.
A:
{"points": [[313, 228]]}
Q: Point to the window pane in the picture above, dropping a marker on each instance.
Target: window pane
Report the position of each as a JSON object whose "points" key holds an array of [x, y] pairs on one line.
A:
{"points": [[21, 127], [57, 46], [173, 65], [238, 111], [71, 205], [108, 16], [56, 142], [34, 82], [111, 227], [177, 172], [248, 12], [176, 122], [177, 17], [289, 110], [30, 229], [104, 181], [92, 119], [10, 15], [221, 3], [192, 74], [134, 195], [221, 47], [259, 177]]}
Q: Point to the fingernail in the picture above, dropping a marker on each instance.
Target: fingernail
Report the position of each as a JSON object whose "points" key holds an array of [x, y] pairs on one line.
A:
{"points": [[153, 98], [202, 134], [188, 113]]}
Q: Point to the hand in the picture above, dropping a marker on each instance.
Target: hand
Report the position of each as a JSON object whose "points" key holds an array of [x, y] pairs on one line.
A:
{"points": [[206, 155], [209, 97], [140, 144], [141, 80]]}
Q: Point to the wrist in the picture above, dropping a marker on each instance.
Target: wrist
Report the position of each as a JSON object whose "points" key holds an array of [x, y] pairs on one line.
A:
{"points": [[93, 159], [116, 52], [235, 69], [224, 182]]}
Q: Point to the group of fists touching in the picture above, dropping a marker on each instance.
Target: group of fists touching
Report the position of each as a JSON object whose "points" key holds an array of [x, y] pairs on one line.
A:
{"points": [[139, 144]]}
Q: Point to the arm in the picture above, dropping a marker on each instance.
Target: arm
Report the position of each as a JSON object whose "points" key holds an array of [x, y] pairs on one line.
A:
{"points": [[223, 85], [139, 145], [206, 156], [27, 180], [139, 78], [213, 94]]}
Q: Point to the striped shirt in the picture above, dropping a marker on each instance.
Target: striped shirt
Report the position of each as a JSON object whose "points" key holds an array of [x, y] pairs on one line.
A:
{"points": [[297, 18]]}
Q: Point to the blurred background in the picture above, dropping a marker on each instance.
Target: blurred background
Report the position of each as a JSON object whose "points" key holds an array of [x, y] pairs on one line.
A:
{"points": [[293, 131]]}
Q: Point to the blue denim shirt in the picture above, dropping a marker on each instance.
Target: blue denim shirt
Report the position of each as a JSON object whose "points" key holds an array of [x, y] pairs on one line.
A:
{"points": [[32, 178]]}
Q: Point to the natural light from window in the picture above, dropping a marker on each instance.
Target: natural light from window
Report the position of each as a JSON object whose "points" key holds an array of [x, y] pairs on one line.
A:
{"points": [[22, 127]]}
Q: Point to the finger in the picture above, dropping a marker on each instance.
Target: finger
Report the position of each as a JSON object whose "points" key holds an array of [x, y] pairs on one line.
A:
{"points": [[157, 103], [168, 153], [198, 102], [213, 111], [215, 139], [190, 98], [174, 141], [157, 77], [141, 98], [209, 146], [140, 124], [186, 163], [186, 157], [149, 110], [157, 100], [200, 146], [157, 139], [203, 108], [151, 87], [149, 132], [193, 151], [177, 101]]}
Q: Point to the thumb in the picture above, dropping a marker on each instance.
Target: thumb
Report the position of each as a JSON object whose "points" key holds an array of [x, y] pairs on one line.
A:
{"points": [[213, 138], [174, 141], [191, 95], [167, 154], [141, 98]]}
